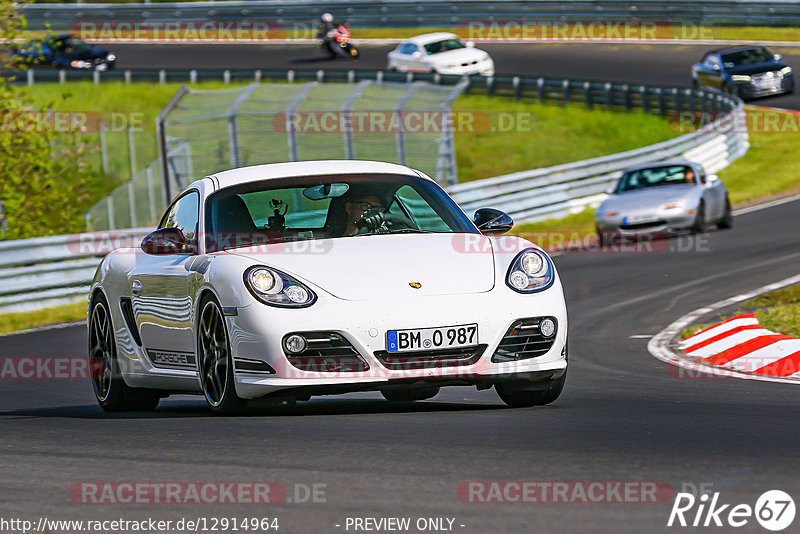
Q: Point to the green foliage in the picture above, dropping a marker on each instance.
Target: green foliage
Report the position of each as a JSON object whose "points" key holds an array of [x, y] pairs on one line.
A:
{"points": [[45, 176]]}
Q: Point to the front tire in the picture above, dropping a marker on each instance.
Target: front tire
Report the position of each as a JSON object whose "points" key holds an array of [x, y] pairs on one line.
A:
{"points": [[727, 219], [215, 362], [409, 395], [518, 397], [700, 225], [110, 390]]}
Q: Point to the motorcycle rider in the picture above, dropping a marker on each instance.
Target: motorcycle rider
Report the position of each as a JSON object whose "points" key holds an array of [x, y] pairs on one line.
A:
{"points": [[326, 26]]}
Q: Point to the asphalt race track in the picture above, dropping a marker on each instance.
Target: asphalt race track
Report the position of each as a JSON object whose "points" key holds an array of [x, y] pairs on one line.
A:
{"points": [[664, 64], [624, 416]]}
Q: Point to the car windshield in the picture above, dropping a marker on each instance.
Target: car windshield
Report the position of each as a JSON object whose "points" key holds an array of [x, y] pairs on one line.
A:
{"points": [[324, 207], [749, 56], [443, 46], [655, 177]]}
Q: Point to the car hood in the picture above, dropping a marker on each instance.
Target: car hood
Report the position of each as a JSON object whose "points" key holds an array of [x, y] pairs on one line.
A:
{"points": [[756, 68], [383, 266], [649, 198], [458, 56]]}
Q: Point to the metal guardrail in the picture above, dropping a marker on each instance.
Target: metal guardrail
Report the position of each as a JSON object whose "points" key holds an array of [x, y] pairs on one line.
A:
{"points": [[49, 271], [42, 272], [420, 13]]}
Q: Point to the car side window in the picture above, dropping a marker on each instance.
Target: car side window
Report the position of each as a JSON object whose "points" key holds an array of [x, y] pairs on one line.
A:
{"points": [[184, 215], [408, 48], [712, 60], [408, 202]]}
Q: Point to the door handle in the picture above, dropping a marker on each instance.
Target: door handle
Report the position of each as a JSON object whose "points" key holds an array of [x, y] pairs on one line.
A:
{"points": [[136, 288]]}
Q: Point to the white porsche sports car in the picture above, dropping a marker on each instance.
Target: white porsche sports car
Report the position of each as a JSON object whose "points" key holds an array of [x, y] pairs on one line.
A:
{"points": [[280, 282], [440, 52]]}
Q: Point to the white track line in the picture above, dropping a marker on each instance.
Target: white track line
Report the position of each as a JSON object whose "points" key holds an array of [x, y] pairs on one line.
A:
{"points": [[659, 345]]}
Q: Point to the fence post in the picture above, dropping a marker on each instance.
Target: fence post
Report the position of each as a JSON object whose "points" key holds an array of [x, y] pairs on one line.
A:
{"points": [[587, 89], [542, 90], [193, 76], [290, 76], [162, 76], [62, 76], [103, 148], [132, 203], [662, 105], [257, 76], [320, 75], [30, 77], [110, 212], [132, 151], [515, 82], [490, 86], [677, 96], [645, 99], [565, 88], [96, 76], [351, 76], [627, 90], [151, 201], [609, 96], [127, 76]]}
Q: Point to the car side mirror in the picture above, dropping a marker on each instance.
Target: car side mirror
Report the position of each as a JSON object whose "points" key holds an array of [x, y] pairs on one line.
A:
{"points": [[417, 54], [167, 241], [778, 57], [710, 179], [609, 190], [716, 67], [492, 222], [469, 44]]}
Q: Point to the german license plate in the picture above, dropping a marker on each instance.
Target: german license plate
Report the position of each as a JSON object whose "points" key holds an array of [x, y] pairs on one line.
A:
{"points": [[446, 337], [634, 219]]}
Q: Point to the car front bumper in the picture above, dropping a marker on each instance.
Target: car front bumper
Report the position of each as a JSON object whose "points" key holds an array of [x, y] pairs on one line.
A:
{"points": [[660, 222], [752, 89], [257, 333]]}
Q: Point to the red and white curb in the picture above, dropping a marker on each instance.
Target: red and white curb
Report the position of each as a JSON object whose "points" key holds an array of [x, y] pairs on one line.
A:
{"points": [[741, 344], [736, 348]]}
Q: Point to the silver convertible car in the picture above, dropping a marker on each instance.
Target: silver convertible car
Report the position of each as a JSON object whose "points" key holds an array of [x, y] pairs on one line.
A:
{"points": [[663, 198]]}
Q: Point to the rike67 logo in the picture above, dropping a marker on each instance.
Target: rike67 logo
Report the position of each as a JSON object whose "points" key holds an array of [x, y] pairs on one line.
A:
{"points": [[774, 510]]}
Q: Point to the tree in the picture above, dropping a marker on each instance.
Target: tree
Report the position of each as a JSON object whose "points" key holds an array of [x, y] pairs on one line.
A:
{"points": [[45, 174]]}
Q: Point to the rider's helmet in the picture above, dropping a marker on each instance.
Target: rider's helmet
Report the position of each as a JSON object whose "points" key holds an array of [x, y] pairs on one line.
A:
{"points": [[327, 18]]}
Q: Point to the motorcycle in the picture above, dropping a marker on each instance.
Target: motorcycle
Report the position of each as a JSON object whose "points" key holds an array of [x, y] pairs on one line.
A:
{"points": [[337, 43]]}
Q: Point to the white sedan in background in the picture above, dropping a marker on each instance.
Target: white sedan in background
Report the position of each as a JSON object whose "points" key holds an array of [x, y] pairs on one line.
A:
{"points": [[291, 280], [440, 52]]}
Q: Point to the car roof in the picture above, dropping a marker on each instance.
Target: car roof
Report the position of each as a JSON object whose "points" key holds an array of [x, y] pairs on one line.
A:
{"points": [[428, 38], [273, 171], [665, 163]]}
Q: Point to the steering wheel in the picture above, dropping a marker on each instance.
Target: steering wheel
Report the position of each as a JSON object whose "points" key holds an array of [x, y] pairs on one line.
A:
{"points": [[374, 219]]}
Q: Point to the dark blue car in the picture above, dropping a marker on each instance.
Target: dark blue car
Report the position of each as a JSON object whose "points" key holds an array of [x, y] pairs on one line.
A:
{"points": [[745, 71], [64, 51]]}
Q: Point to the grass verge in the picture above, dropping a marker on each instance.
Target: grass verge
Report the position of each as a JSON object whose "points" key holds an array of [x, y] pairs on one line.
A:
{"points": [[16, 322]]}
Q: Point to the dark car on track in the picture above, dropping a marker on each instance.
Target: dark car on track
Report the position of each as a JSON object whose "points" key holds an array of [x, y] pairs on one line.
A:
{"points": [[745, 71], [64, 51]]}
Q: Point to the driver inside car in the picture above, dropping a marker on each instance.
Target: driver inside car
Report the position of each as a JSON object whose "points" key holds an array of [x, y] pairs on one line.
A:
{"points": [[364, 214]]}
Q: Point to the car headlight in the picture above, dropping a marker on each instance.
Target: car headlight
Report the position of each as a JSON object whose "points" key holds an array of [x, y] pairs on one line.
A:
{"points": [[531, 271], [79, 64], [740, 78], [275, 288], [786, 70], [111, 57]]}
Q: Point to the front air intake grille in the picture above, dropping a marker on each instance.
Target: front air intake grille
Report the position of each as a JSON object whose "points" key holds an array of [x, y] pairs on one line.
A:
{"points": [[326, 352], [430, 359], [524, 340], [643, 226]]}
